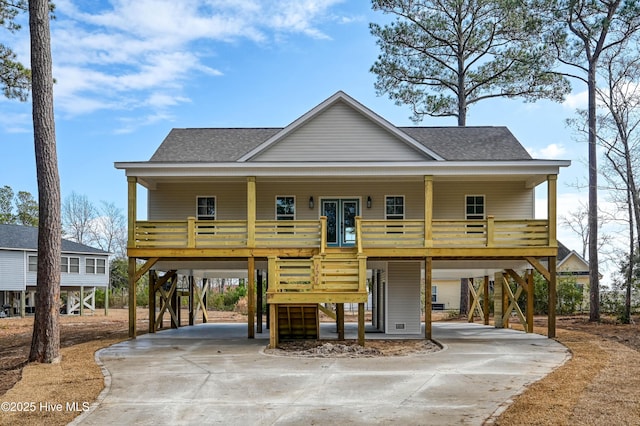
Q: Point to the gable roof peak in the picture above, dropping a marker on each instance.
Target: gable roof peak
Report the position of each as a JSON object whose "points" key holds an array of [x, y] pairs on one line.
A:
{"points": [[340, 96]]}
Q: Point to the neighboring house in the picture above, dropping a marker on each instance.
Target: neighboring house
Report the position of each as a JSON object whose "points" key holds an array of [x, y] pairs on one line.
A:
{"points": [[337, 196], [571, 264], [83, 269]]}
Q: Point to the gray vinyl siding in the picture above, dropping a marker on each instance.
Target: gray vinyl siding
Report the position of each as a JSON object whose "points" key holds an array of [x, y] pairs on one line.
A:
{"points": [[12, 270], [340, 133], [403, 297], [177, 201]]}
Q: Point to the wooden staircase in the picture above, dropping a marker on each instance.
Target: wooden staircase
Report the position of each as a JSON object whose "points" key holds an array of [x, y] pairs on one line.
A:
{"points": [[298, 322]]}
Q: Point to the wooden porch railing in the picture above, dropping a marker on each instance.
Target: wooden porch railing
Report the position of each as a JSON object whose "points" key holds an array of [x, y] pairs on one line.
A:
{"points": [[320, 274], [370, 234]]}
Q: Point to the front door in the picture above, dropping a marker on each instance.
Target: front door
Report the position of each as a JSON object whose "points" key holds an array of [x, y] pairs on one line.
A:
{"points": [[341, 221]]}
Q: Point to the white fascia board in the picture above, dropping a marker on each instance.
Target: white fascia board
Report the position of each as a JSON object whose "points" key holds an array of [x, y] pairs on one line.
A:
{"points": [[432, 168]]}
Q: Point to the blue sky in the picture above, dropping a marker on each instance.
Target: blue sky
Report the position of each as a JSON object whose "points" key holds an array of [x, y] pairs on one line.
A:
{"points": [[128, 71]]}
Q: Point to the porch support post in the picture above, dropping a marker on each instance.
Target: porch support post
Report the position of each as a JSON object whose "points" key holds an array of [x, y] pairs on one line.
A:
{"points": [[340, 320], [551, 323], [107, 290], [132, 295], [81, 300], [259, 291], [497, 300], [530, 300], [153, 279], [251, 297], [552, 201], [23, 304], [192, 313], [428, 211], [273, 327], [132, 201], [361, 324], [175, 303], [251, 211], [428, 272], [485, 304]]}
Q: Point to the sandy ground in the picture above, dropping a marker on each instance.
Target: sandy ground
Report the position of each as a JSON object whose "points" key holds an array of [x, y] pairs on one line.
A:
{"points": [[599, 385]]}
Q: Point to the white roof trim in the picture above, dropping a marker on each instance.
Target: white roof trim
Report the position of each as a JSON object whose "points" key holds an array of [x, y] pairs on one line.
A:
{"points": [[403, 168], [340, 96]]}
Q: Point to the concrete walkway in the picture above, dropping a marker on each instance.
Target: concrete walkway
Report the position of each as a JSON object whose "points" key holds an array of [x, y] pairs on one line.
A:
{"points": [[212, 374]]}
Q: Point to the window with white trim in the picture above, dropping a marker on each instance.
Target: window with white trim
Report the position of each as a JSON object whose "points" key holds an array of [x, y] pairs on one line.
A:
{"points": [[70, 265], [475, 210], [474, 205], [394, 207], [285, 207], [33, 264], [206, 208], [434, 293], [96, 266]]}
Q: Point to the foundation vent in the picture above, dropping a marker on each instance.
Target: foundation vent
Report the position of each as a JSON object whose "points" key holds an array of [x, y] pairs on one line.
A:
{"points": [[401, 325]]}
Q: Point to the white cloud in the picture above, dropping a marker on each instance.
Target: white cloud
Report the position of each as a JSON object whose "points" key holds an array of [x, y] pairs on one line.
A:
{"points": [[576, 100], [550, 152], [130, 54]]}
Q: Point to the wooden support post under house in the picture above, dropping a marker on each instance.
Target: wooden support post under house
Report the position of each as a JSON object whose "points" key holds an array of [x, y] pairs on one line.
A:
{"points": [[153, 279], [497, 300], [505, 302], [551, 323], [81, 301], [428, 289], [175, 305], [107, 290], [340, 320], [132, 297], [205, 290], [251, 297], [23, 304], [192, 313], [485, 301], [259, 302], [471, 299], [361, 324], [530, 300], [273, 328]]}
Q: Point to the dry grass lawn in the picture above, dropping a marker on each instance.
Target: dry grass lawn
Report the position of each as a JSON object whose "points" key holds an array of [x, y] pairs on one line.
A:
{"points": [[599, 385]]}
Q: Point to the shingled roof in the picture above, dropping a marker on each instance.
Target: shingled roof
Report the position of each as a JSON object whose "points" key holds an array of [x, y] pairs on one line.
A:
{"points": [[19, 237], [212, 145]]}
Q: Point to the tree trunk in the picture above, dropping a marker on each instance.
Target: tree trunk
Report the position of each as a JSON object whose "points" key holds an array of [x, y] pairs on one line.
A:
{"points": [[45, 343], [594, 276]]}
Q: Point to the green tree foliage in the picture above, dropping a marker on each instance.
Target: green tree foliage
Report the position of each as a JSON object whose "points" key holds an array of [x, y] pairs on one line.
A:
{"points": [[6, 205], [569, 295], [15, 79], [118, 273], [442, 56], [27, 208], [18, 209]]}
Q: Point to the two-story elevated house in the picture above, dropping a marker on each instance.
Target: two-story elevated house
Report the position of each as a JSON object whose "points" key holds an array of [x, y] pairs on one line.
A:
{"points": [[338, 201]]}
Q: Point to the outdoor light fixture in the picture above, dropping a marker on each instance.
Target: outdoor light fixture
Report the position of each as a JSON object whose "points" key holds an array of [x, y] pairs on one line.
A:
{"points": [[311, 202], [369, 202]]}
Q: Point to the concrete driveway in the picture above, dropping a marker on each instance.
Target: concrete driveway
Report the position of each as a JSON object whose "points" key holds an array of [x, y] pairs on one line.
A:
{"points": [[212, 374]]}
